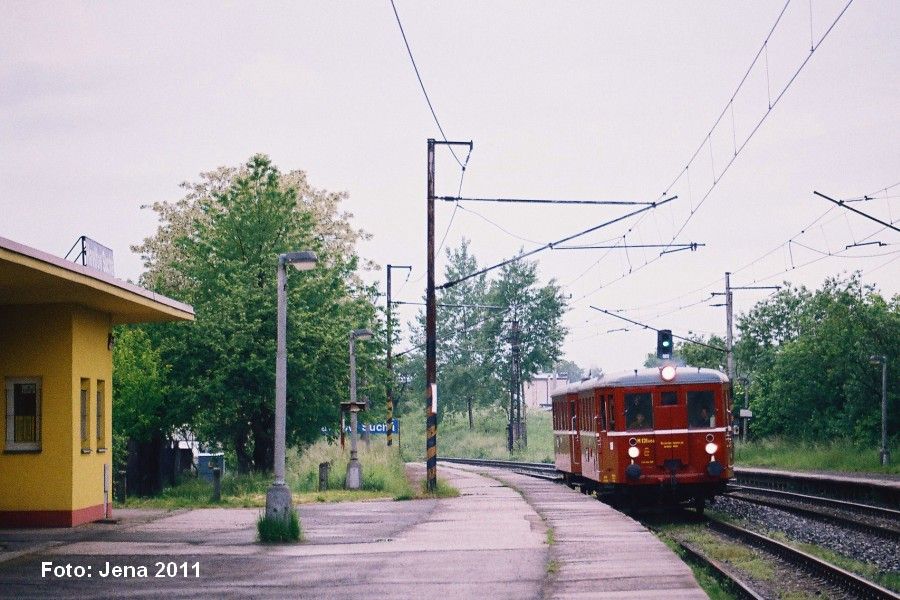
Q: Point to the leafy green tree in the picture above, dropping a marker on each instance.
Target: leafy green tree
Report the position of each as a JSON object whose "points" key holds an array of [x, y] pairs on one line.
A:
{"points": [[537, 310], [140, 386], [217, 249], [812, 378], [463, 366]]}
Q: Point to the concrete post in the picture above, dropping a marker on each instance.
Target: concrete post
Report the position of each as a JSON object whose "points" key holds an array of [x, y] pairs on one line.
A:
{"points": [[217, 484]]}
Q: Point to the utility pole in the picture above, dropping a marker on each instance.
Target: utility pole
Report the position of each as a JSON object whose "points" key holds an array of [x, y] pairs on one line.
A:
{"points": [[729, 318], [729, 334], [389, 420], [431, 329], [885, 450]]}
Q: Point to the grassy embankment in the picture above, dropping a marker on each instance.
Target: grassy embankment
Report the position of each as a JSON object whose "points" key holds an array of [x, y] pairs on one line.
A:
{"points": [[486, 440], [384, 476], [833, 455]]}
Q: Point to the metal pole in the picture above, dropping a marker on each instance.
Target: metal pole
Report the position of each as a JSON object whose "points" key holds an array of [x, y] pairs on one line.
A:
{"points": [[729, 334], [389, 418], [281, 374], [746, 405], [885, 451], [430, 337], [354, 470], [278, 498]]}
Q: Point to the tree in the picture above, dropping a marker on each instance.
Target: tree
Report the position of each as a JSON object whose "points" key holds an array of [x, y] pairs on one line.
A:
{"points": [[538, 310], [462, 310], [139, 395], [572, 370], [216, 248], [818, 382]]}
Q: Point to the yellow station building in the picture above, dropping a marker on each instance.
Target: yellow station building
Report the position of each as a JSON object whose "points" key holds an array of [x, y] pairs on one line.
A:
{"points": [[56, 320]]}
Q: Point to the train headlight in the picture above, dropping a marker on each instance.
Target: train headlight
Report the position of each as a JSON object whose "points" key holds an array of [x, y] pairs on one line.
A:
{"points": [[711, 448], [634, 452], [667, 373]]}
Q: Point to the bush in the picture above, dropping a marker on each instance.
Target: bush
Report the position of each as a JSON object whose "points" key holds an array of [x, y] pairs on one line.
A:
{"points": [[278, 530]]}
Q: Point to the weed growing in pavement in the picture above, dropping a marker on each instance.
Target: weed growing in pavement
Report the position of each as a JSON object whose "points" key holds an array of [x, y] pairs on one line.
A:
{"points": [[278, 530], [442, 490]]}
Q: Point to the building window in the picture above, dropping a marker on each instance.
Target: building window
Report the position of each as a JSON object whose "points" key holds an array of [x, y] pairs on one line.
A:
{"points": [[85, 415], [101, 414], [23, 413]]}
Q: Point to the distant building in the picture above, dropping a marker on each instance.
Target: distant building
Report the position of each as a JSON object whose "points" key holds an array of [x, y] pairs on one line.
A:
{"points": [[56, 342], [538, 390]]}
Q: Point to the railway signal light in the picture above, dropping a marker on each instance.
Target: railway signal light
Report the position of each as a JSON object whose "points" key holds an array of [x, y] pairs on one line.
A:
{"points": [[664, 343]]}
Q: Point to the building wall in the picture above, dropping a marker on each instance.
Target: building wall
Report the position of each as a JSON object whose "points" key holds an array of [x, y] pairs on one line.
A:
{"points": [[60, 484], [36, 341], [538, 390], [91, 361]]}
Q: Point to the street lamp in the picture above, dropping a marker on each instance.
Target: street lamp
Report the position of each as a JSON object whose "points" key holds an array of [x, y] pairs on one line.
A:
{"points": [[354, 470], [885, 452], [278, 497]]}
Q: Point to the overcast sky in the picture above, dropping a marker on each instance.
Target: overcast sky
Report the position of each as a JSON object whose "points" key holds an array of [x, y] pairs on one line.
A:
{"points": [[109, 106]]}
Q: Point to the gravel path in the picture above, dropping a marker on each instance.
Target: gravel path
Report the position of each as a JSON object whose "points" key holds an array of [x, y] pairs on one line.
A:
{"points": [[853, 544]]}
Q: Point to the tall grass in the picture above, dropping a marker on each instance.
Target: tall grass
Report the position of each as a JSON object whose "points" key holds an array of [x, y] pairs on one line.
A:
{"points": [[827, 455], [486, 440], [382, 468], [384, 475]]}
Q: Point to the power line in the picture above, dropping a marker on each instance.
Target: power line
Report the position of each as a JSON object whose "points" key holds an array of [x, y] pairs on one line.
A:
{"points": [[551, 244], [737, 149], [542, 201], [645, 326], [421, 84], [842, 204]]}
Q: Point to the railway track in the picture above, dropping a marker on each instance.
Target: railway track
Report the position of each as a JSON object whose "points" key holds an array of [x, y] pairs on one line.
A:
{"points": [[540, 470], [850, 583], [873, 520]]}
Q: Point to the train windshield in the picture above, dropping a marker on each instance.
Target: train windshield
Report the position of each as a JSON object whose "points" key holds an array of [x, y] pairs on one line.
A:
{"points": [[701, 409], [638, 411]]}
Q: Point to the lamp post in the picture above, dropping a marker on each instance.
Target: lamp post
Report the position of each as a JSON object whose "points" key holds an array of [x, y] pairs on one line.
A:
{"points": [[885, 451], [354, 470], [278, 496]]}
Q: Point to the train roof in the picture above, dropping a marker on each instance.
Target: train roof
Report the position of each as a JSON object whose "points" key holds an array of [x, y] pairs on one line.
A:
{"points": [[644, 377]]}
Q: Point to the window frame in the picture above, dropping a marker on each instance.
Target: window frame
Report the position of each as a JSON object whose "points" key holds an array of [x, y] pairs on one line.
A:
{"points": [[100, 414], [10, 413], [84, 403]]}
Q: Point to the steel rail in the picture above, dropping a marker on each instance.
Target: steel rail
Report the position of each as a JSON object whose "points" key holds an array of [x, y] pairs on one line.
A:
{"points": [[743, 589], [864, 491], [816, 515], [860, 587], [875, 511]]}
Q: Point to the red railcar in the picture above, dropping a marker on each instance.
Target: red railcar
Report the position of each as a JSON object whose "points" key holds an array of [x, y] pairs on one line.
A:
{"points": [[648, 435]]}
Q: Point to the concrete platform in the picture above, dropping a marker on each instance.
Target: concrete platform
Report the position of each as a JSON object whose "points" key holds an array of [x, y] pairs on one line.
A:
{"points": [[488, 543], [600, 552]]}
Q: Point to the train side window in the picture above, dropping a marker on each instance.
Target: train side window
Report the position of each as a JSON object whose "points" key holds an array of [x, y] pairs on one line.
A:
{"points": [[701, 409], [638, 411], [668, 398], [602, 413], [611, 406]]}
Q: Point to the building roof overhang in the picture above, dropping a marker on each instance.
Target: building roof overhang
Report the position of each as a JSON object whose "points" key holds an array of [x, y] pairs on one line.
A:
{"points": [[30, 276]]}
